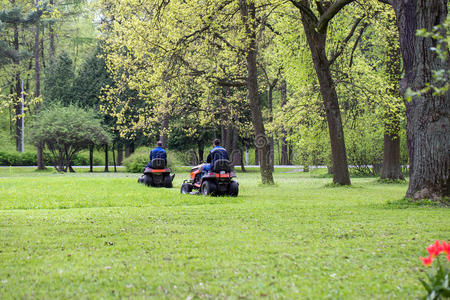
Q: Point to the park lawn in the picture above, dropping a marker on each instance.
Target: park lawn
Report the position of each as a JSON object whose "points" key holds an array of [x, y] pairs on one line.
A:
{"points": [[103, 236]]}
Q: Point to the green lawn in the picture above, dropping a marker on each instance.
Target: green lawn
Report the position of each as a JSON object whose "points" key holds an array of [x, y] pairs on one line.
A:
{"points": [[102, 235]]}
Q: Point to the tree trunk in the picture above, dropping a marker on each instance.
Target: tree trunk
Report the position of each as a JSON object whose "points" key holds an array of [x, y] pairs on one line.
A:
{"points": [[242, 161], [119, 154], [284, 146], [200, 147], [106, 159], [270, 105], [51, 30], [114, 158], [164, 130], [391, 161], [37, 90], [18, 91], [248, 13], [91, 158], [427, 115], [316, 42]]}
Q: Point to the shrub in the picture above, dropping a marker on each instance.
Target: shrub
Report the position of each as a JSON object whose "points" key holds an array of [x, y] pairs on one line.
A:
{"points": [[137, 161], [65, 131]]}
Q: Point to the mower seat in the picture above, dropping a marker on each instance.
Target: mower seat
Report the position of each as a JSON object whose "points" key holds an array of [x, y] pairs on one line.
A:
{"points": [[222, 165], [158, 163]]}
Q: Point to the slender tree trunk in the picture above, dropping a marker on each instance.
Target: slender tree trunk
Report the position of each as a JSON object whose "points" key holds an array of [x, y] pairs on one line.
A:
{"points": [[51, 30], [119, 154], [242, 161], [18, 91], [200, 147], [114, 158], [427, 115], [106, 158], [316, 42], [91, 158], [248, 13], [37, 90], [164, 130], [270, 105], [284, 146]]}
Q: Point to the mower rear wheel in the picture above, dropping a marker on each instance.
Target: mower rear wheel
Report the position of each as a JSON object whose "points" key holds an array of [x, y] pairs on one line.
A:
{"points": [[147, 180], [186, 188], [233, 189], [208, 188]]}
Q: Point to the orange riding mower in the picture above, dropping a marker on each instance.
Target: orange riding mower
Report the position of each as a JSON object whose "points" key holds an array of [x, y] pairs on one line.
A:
{"points": [[216, 182]]}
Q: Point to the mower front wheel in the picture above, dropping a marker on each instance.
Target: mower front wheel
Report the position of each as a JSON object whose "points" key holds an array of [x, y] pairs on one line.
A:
{"points": [[233, 189], [168, 181], [208, 188], [186, 188]]}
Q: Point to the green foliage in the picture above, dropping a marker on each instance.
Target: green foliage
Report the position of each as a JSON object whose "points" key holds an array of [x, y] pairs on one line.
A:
{"points": [[58, 81], [14, 158], [90, 81], [65, 131], [137, 161], [438, 284]]}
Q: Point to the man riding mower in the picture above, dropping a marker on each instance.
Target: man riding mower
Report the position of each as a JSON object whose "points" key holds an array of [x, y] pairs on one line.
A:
{"points": [[214, 178], [156, 173]]}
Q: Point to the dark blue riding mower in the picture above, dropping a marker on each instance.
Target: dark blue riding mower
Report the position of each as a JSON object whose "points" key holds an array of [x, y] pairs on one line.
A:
{"points": [[158, 175]]}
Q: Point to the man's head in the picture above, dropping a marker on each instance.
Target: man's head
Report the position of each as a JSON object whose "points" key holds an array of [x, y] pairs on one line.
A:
{"points": [[216, 142], [159, 143]]}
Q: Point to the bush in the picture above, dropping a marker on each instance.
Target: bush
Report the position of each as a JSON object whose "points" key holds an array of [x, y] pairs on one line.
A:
{"points": [[137, 161], [17, 159], [65, 131]]}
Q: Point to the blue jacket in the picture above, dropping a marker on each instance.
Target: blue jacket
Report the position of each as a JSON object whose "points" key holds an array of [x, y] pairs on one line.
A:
{"points": [[158, 152], [216, 153]]}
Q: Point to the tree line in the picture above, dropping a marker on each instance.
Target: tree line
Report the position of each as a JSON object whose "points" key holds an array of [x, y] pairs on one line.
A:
{"points": [[320, 78]]}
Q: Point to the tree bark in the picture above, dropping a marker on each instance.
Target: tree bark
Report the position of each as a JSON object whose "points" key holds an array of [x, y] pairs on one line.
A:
{"points": [[91, 158], [51, 30], [391, 162], [37, 90], [119, 154], [316, 41], [164, 130], [284, 145], [427, 115], [106, 159], [270, 106], [18, 91], [248, 14]]}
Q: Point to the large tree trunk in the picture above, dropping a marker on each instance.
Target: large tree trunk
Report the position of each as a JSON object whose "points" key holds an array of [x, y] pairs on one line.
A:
{"points": [[284, 145], [427, 115], [248, 13], [316, 42]]}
